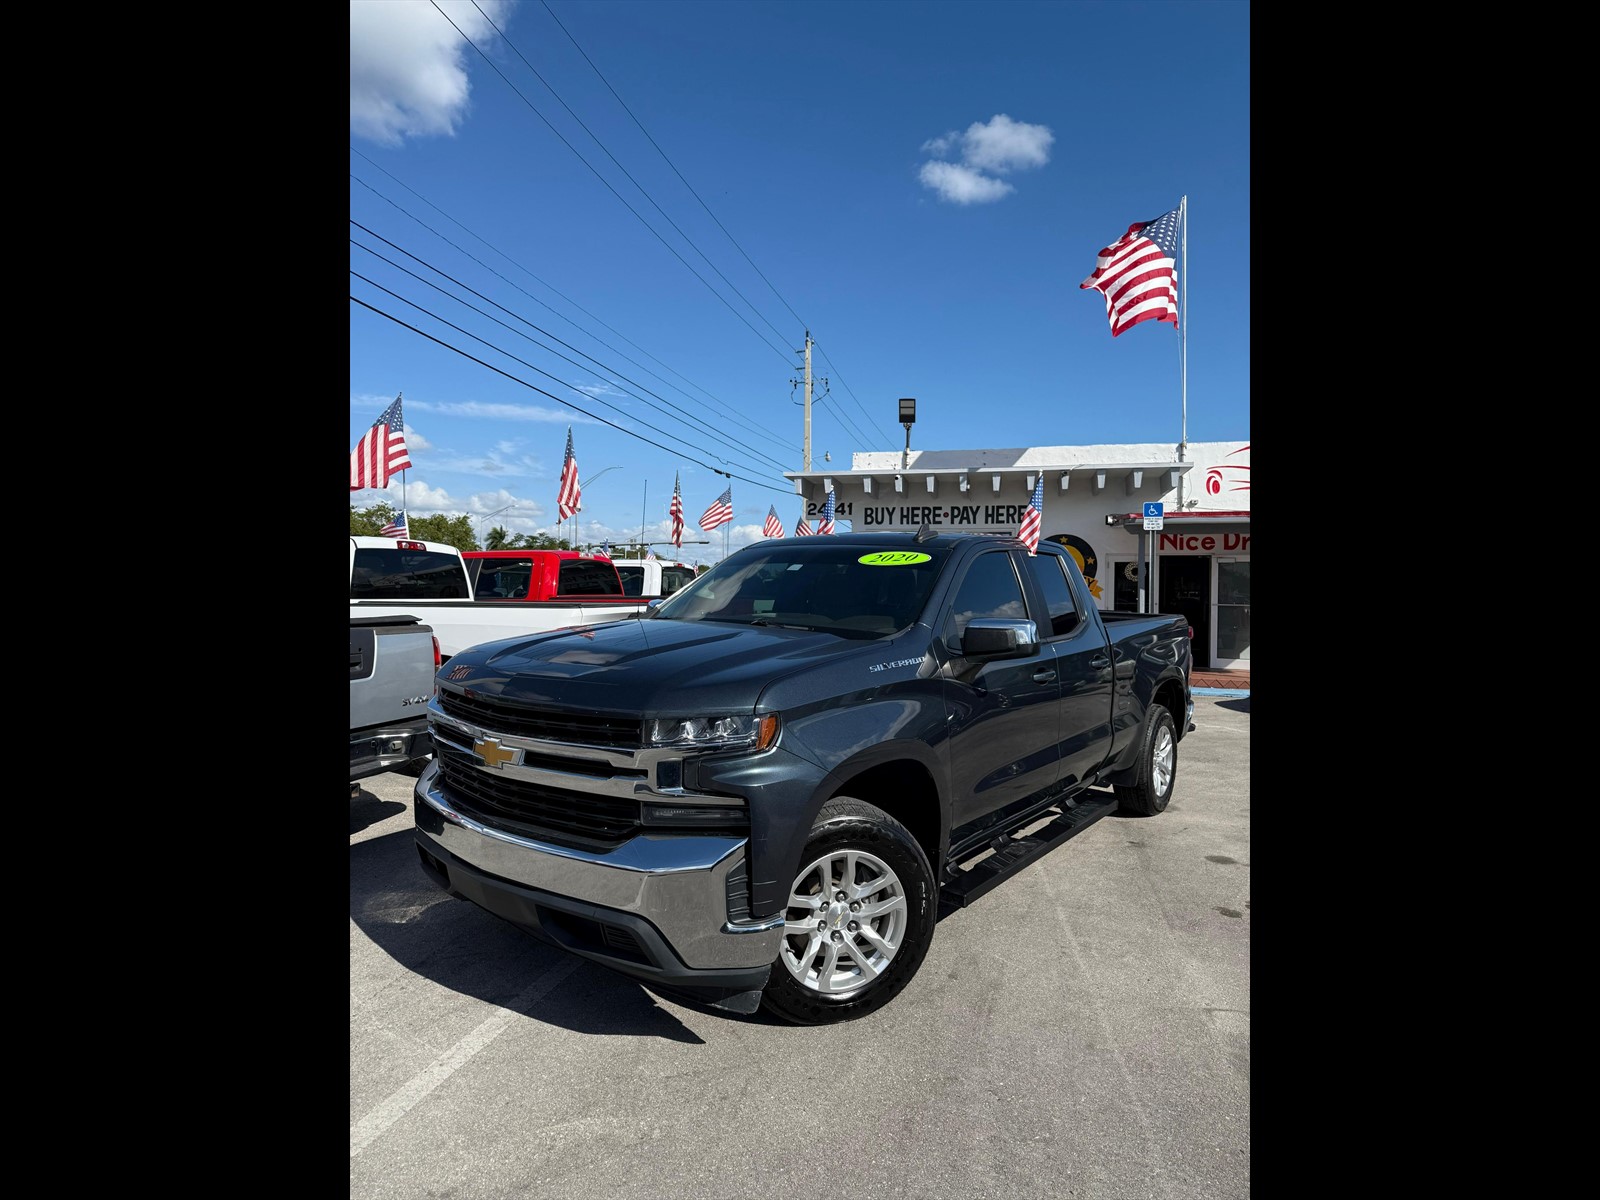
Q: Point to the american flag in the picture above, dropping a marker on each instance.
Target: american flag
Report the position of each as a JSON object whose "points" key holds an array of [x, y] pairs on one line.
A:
{"points": [[381, 452], [802, 527], [568, 497], [650, 556], [825, 525], [773, 527], [720, 512], [1029, 530], [676, 510], [1138, 274], [605, 549], [396, 528]]}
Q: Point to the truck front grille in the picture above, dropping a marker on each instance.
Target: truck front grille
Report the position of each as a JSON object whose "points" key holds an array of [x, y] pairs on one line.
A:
{"points": [[579, 819], [547, 724]]}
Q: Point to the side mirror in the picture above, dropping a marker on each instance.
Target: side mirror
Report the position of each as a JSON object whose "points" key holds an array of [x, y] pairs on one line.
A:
{"points": [[993, 637]]}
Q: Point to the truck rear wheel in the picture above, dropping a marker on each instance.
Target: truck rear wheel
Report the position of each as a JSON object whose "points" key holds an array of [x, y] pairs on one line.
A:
{"points": [[1157, 769], [860, 917]]}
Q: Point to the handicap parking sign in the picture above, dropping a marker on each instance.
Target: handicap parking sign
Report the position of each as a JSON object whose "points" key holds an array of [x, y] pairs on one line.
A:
{"points": [[1154, 515]]}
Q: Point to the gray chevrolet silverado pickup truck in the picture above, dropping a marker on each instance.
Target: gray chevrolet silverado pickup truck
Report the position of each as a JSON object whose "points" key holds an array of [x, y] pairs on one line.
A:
{"points": [[393, 658], [761, 792]]}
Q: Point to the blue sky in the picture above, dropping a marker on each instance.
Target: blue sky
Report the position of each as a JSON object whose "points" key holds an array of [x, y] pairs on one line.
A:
{"points": [[587, 212]]}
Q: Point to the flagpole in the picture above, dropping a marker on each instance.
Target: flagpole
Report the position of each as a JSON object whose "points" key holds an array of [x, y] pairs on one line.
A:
{"points": [[643, 504], [1183, 344]]}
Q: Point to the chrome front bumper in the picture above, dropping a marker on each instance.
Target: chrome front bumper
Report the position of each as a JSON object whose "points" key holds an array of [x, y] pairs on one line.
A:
{"points": [[677, 885]]}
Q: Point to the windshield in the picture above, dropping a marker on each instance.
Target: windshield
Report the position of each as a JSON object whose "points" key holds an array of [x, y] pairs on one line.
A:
{"points": [[852, 590]]}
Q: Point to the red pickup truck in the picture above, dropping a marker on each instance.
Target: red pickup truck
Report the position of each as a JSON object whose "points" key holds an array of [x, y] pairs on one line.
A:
{"points": [[544, 575]]}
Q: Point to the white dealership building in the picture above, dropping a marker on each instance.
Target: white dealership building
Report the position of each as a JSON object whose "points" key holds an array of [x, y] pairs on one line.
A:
{"points": [[1095, 504]]}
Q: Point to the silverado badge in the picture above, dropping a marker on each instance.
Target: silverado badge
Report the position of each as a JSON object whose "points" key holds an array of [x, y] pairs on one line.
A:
{"points": [[492, 752]]}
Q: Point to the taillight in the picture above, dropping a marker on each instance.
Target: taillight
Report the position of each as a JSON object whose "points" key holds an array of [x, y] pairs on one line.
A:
{"points": [[1191, 635], [437, 660]]}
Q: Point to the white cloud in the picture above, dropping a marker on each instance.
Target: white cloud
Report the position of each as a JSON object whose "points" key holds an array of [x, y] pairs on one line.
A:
{"points": [[504, 412], [408, 73], [962, 185], [1005, 145], [999, 145]]}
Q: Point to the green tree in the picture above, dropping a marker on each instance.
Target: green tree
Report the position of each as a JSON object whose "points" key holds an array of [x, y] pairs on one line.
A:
{"points": [[452, 531]]}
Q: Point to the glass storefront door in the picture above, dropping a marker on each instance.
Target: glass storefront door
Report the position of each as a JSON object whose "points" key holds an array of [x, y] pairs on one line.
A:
{"points": [[1231, 623]]}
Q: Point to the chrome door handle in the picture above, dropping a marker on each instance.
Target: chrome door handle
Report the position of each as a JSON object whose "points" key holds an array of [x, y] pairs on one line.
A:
{"points": [[1043, 676], [1100, 662]]}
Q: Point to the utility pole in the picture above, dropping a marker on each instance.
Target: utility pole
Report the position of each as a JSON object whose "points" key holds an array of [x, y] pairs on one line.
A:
{"points": [[807, 458]]}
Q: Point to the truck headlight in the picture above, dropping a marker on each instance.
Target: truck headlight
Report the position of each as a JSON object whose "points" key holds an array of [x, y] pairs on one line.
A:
{"points": [[713, 733]]}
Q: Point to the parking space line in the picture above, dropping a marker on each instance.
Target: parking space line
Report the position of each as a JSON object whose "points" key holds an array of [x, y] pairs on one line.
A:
{"points": [[378, 1121]]}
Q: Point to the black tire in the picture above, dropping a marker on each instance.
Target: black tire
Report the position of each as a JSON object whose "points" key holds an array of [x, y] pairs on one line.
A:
{"points": [[847, 825], [1157, 769]]}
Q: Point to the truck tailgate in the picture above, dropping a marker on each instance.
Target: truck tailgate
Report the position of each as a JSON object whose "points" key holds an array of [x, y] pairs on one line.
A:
{"points": [[390, 664]]}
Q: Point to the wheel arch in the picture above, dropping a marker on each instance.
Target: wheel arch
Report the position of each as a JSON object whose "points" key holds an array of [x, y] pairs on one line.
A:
{"points": [[904, 784]]}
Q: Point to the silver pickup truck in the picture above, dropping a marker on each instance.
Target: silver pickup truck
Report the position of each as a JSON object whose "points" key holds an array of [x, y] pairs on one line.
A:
{"points": [[393, 659]]}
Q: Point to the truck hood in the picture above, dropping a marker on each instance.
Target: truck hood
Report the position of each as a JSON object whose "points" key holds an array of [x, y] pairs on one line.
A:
{"points": [[648, 667]]}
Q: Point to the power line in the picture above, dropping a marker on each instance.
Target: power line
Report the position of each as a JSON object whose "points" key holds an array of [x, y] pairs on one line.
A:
{"points": [[654, 232], [506, 38], [842, 382], [428, 283], [526, 363], [732, 414], [787, 491], [692, 192]]}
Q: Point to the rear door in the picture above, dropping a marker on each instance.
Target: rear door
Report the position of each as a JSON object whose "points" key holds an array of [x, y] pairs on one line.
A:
{"points": [[1083, 665]]}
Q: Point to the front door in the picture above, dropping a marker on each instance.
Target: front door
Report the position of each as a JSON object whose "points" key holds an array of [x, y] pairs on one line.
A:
{"points": [[1185, 586], [1233, 614]]}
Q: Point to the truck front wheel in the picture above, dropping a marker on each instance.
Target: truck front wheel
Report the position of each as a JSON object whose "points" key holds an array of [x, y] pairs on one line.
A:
{"points": [[860, 917], [1157, 769]]}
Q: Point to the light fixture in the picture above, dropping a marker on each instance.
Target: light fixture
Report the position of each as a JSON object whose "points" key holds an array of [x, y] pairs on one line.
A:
{"points": [[966, 484], [866, 484], [930, 485], [908, 418], [997, 483], [899, 483], [1065, 475]]}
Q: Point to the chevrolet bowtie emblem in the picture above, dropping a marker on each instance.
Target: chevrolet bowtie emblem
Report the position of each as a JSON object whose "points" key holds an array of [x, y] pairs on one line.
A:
{"points": [[492, 752]]}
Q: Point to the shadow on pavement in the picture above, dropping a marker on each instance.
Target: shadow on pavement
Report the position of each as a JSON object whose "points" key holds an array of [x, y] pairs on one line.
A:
{"points": [[1240, 705], [460, 946], [366, 809]]}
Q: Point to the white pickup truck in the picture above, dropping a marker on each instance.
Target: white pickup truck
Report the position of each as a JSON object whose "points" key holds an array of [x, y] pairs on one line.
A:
{"points": [[431, 581], [652, 578]]}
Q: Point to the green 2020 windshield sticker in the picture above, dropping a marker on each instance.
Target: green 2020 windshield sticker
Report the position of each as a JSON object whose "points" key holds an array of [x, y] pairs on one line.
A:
{"points": [[893, 558]]}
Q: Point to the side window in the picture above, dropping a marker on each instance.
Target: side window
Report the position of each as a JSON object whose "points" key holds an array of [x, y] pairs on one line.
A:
{"points": [[392, 573], [632, 580], [1051, 574], [504, 578], [585, 577], [991, 589]]}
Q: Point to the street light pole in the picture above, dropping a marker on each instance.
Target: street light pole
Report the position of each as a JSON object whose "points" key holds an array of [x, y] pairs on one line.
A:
{"points": [[490, 516], [581, 486]]}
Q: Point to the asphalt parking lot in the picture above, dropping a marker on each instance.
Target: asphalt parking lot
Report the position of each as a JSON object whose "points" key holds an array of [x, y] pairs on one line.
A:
{"points": [[1082, 1030]]}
